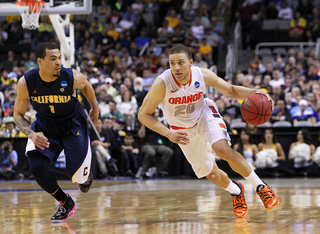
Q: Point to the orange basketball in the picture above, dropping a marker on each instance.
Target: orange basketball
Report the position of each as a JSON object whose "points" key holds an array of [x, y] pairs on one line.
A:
{"points": [[256, 109]]}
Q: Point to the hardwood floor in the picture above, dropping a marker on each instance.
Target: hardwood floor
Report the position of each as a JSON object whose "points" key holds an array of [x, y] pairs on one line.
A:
{"points": [[160, 206]]}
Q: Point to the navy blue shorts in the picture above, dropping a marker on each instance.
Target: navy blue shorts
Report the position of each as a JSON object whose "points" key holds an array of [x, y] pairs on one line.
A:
{"points": [[71, 135]]}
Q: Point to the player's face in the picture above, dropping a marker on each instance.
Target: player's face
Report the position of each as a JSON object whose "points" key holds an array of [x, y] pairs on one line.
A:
{"points": [[51, 63], [180, 67]]}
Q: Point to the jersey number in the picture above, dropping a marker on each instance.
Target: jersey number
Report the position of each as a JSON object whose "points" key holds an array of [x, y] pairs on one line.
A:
{"points": [[52, 109], [183, 109]]}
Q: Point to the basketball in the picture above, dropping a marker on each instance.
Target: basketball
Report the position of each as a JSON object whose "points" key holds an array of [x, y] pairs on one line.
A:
{"points": [[256, 109]]}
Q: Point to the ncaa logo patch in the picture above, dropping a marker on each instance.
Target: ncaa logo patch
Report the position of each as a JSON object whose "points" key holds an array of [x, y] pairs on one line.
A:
{"points": [[64, 84], [197, 84]]}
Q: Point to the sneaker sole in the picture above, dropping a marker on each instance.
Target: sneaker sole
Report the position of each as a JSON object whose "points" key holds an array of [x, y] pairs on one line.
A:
{"points": [[65, 220]]}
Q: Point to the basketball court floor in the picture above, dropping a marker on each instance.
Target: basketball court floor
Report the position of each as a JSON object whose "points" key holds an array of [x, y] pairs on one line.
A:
{"points": [[160, 206]]}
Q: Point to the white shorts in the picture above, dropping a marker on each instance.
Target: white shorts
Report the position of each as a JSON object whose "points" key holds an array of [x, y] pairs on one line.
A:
{"points": [[209, 129]]}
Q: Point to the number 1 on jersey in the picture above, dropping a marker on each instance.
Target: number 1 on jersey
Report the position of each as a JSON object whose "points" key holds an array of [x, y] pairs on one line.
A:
{"points": [[52, 109]]}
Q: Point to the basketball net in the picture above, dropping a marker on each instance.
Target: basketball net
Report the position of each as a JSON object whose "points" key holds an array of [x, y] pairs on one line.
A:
{"points": [[30, 12]]}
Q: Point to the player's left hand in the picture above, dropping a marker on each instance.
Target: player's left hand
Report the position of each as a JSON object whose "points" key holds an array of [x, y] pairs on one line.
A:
{"points": [[268, 97], [94, 115]]}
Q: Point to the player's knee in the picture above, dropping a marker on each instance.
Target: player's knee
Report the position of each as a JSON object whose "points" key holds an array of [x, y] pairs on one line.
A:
{"points": [[38, 165], [224, 152]]}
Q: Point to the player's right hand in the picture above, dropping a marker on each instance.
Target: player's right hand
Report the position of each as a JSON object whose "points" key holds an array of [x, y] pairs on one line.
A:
{"points": [[39, 140], [179, 137]]}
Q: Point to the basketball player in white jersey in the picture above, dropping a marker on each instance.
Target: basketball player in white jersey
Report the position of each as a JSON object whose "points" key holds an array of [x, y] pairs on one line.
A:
{"points": [[195, 123]]}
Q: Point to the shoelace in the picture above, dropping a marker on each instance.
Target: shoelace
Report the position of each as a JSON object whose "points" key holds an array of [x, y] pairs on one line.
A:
{"points": [[60, 209], [266, 195], [239, 201]]}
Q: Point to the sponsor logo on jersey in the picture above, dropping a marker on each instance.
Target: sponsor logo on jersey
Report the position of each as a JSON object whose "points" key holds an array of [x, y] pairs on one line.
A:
{"points": [[61, 90], [64, 84], [185, 99], [35, 91], [173, 91], [197, 84], [78, 134]]}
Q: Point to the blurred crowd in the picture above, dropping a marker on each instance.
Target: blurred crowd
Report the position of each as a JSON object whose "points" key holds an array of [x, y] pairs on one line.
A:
{"points": [[123, 46]]}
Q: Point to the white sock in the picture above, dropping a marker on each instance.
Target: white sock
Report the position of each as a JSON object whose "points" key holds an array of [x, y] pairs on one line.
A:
{"points": [[254, 179], [233, 189]]}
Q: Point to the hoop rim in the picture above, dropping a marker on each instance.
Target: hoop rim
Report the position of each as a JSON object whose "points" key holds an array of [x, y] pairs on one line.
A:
{"points": [[34, 3]]}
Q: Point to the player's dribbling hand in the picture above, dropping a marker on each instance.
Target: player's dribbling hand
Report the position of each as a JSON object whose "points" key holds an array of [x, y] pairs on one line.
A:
{"points": [[39, 140], [179, 137], [268, 96]]}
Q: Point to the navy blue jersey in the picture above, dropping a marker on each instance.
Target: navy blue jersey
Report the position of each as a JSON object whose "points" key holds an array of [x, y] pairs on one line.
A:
{"points": [[56, 103]]}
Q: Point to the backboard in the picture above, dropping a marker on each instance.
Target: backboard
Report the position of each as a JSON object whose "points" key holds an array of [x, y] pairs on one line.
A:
{"points": [[75, 7]]}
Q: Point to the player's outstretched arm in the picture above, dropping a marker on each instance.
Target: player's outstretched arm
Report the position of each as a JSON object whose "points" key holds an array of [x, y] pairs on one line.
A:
{"points": [[80, 82], [20, 108], [231, 91], [154, 97]]}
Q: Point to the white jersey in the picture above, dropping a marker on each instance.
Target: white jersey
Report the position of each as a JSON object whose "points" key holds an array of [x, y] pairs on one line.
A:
{"points": [[183, 105]]}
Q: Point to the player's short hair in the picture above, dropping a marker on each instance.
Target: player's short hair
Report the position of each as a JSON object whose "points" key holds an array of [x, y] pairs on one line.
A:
{"points": [[178, 49], [41, 49]]}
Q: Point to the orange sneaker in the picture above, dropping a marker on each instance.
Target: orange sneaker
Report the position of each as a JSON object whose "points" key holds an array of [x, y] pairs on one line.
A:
{"points": [[268, 197], [240, 208]]}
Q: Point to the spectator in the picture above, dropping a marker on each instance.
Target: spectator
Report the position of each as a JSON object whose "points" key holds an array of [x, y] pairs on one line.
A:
{"points": [[312, 74], [147, 79], [232, 109], [172, 19], [223, 12], [100, 145], [305, 8], [197, 28], [131, 153], [213, 40], [301, 153], [154, 48], [199, 62], [277, 78], [206, 50], [164, 32], [140, 93], [3, 35], [40, 38], [116, 143], [302, 112], [125, 23], [245, 15], [139, 24], [142, 39], [128, 107], [189, 13], [45, 26], [32, 62], [270, 158], [271, 11], [285, 11], [253, 28], [296, 32], [280, 113], [152, 147], [11, 61], [8, 161], [246, 147], [103, 8]]}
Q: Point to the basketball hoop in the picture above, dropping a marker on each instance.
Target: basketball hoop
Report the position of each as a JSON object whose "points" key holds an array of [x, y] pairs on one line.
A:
{"points": [[30, 11]]}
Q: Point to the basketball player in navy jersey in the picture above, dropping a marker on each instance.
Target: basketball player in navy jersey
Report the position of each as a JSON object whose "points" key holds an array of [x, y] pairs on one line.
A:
{"points": [[197, 126], [61, 124]]}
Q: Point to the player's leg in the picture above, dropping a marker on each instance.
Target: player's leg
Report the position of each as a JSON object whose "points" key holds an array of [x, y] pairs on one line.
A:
{"points": [[39, 169], [77, 147], [200, 156], [238, 163], [215, 133]]}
